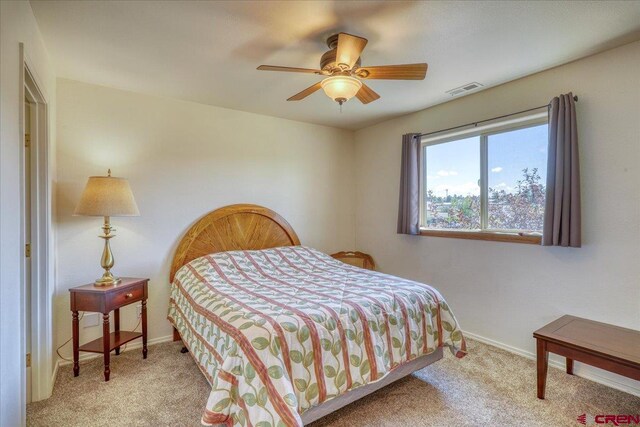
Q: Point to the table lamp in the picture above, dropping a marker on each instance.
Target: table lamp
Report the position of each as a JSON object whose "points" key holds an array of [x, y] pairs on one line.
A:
{"points": [[107, 196]]}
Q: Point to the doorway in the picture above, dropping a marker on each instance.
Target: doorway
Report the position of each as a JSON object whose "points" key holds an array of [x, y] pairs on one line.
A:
{"points": [[37, 270], [26, 178]]}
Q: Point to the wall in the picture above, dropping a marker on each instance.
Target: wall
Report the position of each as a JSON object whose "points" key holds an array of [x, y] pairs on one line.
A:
{"points": [[183, 160], [17, 24], [504, 291]]}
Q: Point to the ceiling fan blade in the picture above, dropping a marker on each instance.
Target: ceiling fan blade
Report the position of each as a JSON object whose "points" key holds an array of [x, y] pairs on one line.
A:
{"points": [[349, 49], [289, 69], [308, 91], [366, 94], [394, 72]]}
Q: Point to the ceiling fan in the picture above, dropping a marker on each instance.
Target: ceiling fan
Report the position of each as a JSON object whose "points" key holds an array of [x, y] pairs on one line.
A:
{"points": [[342, 68]]}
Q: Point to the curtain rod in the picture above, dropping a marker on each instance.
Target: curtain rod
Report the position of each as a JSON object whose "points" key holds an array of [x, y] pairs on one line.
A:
{"points": [[575, 98]]}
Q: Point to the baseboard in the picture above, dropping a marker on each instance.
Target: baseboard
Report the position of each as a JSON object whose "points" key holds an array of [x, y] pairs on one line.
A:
{"points": [[592, 376], [54, 375], [583, 373], [89, 356]]}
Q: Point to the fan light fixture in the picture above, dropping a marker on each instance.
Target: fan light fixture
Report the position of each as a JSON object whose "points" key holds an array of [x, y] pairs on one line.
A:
{"points": [[341, 88]]}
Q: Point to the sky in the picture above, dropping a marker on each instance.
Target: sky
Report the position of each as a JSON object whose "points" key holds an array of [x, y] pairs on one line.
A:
{"points": [[455, 166]]}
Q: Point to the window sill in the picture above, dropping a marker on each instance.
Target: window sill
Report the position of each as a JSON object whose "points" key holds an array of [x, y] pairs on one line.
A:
{"points": [[484, 235]]}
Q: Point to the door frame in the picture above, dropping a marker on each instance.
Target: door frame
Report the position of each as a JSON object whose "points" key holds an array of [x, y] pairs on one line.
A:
{"points": [[41, 234]]}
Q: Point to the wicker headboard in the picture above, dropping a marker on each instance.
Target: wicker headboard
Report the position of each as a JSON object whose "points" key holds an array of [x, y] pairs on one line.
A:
{"points": [[233, 227]]}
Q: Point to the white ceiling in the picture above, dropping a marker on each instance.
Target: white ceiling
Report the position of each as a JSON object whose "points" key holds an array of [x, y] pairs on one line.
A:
{"points": [[207, 52]]}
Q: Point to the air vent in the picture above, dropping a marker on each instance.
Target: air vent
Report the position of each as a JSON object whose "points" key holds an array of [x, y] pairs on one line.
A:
{"points": [[464, 88]]}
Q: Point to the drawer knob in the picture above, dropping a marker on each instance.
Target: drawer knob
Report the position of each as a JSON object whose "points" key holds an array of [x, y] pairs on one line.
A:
{"points": [[128, 295]]}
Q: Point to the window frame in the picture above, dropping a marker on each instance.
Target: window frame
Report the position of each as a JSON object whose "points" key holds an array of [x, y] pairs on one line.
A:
{"points": [[483, 132]]}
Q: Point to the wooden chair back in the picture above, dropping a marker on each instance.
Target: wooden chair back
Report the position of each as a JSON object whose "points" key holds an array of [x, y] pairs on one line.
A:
{"points": [[355, 258]]}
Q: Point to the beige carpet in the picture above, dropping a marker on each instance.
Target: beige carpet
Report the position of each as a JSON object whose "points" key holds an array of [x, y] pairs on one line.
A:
{"points": [[489, 387]]}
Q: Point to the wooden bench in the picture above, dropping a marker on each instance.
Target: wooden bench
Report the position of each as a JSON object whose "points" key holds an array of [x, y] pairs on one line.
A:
{"points": [[604, 346]]}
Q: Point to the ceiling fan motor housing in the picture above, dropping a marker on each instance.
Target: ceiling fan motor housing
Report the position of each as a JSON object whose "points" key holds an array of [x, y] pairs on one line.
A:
{"points": [[328, 59]]}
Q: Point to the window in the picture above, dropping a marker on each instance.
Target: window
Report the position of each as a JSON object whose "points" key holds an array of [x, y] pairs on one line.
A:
{"points": [[452, 199], [486, 180]]}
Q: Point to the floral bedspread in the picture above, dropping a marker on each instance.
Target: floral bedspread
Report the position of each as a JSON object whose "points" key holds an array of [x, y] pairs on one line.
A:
{"points": [[280, 330]]}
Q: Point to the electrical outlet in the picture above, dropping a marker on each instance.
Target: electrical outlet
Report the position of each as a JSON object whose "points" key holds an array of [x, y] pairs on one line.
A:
{"points": [[139, 310], [90, 319]]}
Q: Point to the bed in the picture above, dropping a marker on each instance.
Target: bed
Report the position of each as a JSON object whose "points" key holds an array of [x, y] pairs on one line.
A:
{"points": [[284, 333]]}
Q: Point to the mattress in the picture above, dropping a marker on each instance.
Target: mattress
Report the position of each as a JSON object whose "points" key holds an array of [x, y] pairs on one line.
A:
{"points": [[279, 331]]}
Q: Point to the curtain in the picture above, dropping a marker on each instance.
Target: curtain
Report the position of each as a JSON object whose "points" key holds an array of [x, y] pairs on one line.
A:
{"points": [[409, 206], [562, 221]]}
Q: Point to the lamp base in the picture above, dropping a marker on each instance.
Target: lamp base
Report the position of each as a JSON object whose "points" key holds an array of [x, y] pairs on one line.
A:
{"points": [[106, 262], [107, 279]]}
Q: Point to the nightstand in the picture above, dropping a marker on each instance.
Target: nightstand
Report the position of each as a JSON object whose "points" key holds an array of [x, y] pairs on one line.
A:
{"points": [[104, 299]]}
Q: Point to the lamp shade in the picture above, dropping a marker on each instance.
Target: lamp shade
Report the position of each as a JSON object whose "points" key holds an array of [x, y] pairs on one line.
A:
{"points": [[107, 196], [341, 88]]}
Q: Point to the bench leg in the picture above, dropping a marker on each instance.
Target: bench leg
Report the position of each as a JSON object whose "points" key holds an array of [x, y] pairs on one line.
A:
{"points": [[542, 364], [569, 366]]}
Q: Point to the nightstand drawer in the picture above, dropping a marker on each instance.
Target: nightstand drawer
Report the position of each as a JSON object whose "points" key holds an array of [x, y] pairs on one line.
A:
{"points": [[126, 296]]}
